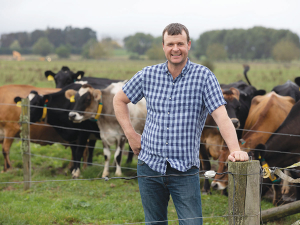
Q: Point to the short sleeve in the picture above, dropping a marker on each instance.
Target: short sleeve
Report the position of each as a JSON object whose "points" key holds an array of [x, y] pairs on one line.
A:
{"points": [[134, 88], [213, 96]]}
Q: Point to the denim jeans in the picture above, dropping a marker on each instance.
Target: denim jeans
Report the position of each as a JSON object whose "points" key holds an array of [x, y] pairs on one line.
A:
{"points": [[155, 194]]}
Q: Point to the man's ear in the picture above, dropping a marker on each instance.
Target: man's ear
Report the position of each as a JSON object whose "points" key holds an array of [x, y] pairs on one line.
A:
{"points": [[69, 93]]}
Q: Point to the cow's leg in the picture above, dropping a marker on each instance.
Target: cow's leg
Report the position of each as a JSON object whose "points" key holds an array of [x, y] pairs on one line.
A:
{"points": [[285, 184], [91, 151], [277, 196], [7, 142], [107, 156], [83, 137], [73, 151], [205, 166], [296, 175], [130, 156], [118, 155]]}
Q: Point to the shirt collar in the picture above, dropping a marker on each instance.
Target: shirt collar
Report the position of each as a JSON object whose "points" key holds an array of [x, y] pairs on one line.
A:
{"points": [[184, 70]]}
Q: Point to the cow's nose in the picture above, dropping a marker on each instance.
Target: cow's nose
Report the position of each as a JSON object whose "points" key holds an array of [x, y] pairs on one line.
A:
{"points": [[236, 123], [72, 116]]}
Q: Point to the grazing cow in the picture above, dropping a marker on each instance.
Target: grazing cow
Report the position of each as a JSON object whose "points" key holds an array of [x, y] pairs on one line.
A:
{"points": [[265, 116], [57, 116], [282, 148], [65, 77], [289, 88], [88, 101], [10, 115]]}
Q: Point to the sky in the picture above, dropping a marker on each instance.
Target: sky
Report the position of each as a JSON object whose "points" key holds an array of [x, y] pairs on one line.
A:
{"points": [[121, 18]]}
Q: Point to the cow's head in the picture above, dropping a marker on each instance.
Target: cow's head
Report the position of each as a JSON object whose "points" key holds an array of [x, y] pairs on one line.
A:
{"points": [[233, 105], [64, 77], [37, 106], [87, 103]]}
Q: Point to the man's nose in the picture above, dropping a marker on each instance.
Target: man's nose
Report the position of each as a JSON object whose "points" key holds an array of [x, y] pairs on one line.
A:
{"points": [[175, 48]]}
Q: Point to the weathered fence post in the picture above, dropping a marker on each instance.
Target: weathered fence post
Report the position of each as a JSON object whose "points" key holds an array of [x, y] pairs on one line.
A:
{"points": [[25, 146], [243, 193]]}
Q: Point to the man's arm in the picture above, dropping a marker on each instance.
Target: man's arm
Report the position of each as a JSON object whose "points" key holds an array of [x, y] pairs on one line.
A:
{"points": [[122, 113], [229, 134]]}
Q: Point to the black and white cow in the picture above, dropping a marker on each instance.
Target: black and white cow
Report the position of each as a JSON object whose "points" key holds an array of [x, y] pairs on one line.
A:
{"points": [[87, 103]]}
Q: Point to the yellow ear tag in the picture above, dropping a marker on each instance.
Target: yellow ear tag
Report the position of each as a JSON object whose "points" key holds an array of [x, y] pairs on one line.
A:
{"points": [[79, 77], [72, 99], [50, 77], [99, 111], [19, 104]]}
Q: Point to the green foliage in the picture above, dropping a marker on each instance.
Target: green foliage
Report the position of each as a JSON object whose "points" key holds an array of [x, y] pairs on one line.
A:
{"points": [[96, 50], [15, 46], [63, 51], [138, 43], [42, 47], [134, 56], [156, 52], [216, 51], [209, 64], [286, 51], [253, 43]]}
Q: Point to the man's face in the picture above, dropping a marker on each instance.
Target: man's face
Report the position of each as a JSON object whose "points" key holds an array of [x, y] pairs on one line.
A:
{"points": [[176, 48]]}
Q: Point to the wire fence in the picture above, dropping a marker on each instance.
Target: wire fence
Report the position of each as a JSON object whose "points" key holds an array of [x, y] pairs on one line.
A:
{"points": [[125, 178]]}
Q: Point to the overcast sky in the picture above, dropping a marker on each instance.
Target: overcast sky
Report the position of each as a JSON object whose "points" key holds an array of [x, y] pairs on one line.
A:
{"points": [[120, 18]]}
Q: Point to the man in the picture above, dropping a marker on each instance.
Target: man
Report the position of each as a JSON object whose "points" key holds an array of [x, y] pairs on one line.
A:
{"points": [[179, 95]]}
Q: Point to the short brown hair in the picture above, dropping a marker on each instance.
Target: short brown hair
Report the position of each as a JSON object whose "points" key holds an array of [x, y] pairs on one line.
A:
{"points": [[175, 29]]}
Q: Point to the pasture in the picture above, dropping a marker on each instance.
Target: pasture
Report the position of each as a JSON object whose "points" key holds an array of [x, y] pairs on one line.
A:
{"points": [[57, 199]]}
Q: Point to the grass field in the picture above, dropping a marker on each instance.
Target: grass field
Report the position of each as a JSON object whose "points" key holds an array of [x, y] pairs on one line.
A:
{"points": [[57, 199]]}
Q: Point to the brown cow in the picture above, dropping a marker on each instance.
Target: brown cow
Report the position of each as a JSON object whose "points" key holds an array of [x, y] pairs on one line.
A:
{"points": [[266, 114], [10, 115]]}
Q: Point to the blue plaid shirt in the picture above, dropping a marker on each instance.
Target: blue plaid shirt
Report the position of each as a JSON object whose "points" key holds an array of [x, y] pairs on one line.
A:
{"points": [[176, 113]]}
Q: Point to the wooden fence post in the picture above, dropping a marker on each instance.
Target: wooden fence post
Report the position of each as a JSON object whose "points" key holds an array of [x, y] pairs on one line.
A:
{"points": [[243, 193], [25, 146]]}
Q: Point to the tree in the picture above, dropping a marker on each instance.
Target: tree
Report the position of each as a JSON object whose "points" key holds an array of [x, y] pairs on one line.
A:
{"points": [[63, 51], [138, 43], [156, 52], [216, 52], [96, 50], [42, 47], [15, 46], [285, 51]]}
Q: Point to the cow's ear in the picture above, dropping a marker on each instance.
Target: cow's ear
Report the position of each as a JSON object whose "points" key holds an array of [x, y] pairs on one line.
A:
{"points": [[97, 94], [236, 93], [69, 93], [297, 81], [260, 92], [79, 75], [49, 75], [17, 99]]}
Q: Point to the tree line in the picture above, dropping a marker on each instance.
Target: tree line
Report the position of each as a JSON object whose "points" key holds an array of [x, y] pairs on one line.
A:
{"points": [[254, 43]]}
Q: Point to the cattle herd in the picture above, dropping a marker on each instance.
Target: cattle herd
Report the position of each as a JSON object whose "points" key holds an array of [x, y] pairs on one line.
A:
{"points": [[79, 111]]}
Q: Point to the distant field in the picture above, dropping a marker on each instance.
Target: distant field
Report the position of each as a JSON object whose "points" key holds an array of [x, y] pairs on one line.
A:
{"points": [[60, 200]]}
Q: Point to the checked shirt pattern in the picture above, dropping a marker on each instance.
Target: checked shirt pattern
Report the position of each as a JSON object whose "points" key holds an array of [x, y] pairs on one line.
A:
{"points": [[176, 113]]}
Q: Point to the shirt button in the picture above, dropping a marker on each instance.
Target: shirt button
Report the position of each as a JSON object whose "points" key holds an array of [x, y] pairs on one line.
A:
{"points": [[173, 83], [166, 158], [168, 112], [167, 128], [166, 143], [170, 97]]}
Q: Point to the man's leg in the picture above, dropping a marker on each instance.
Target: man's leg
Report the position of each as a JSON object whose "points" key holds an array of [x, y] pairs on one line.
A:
{"points": [[185, 192], [154, 194]]}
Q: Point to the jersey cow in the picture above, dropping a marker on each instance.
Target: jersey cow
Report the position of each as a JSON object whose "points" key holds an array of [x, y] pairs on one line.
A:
{"points": [[265, 116], [10, 115], [282, 148], [88, 102]]}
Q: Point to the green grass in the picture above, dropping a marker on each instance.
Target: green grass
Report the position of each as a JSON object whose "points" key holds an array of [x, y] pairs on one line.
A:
{"points": [[61, 200]]}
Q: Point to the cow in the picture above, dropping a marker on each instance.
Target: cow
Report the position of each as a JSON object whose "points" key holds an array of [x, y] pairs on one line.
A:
{"points": [[282, 148], [57, 115], [65, 77], [88, 101], [10, 115], [265, 116], [289, 88]]}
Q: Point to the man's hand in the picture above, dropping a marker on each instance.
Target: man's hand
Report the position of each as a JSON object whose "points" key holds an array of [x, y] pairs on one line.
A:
{"points": [[238, 156], [135, 143]]}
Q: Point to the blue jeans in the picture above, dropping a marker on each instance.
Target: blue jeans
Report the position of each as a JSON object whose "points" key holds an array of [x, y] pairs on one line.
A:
{"points": [[155, 194]]}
